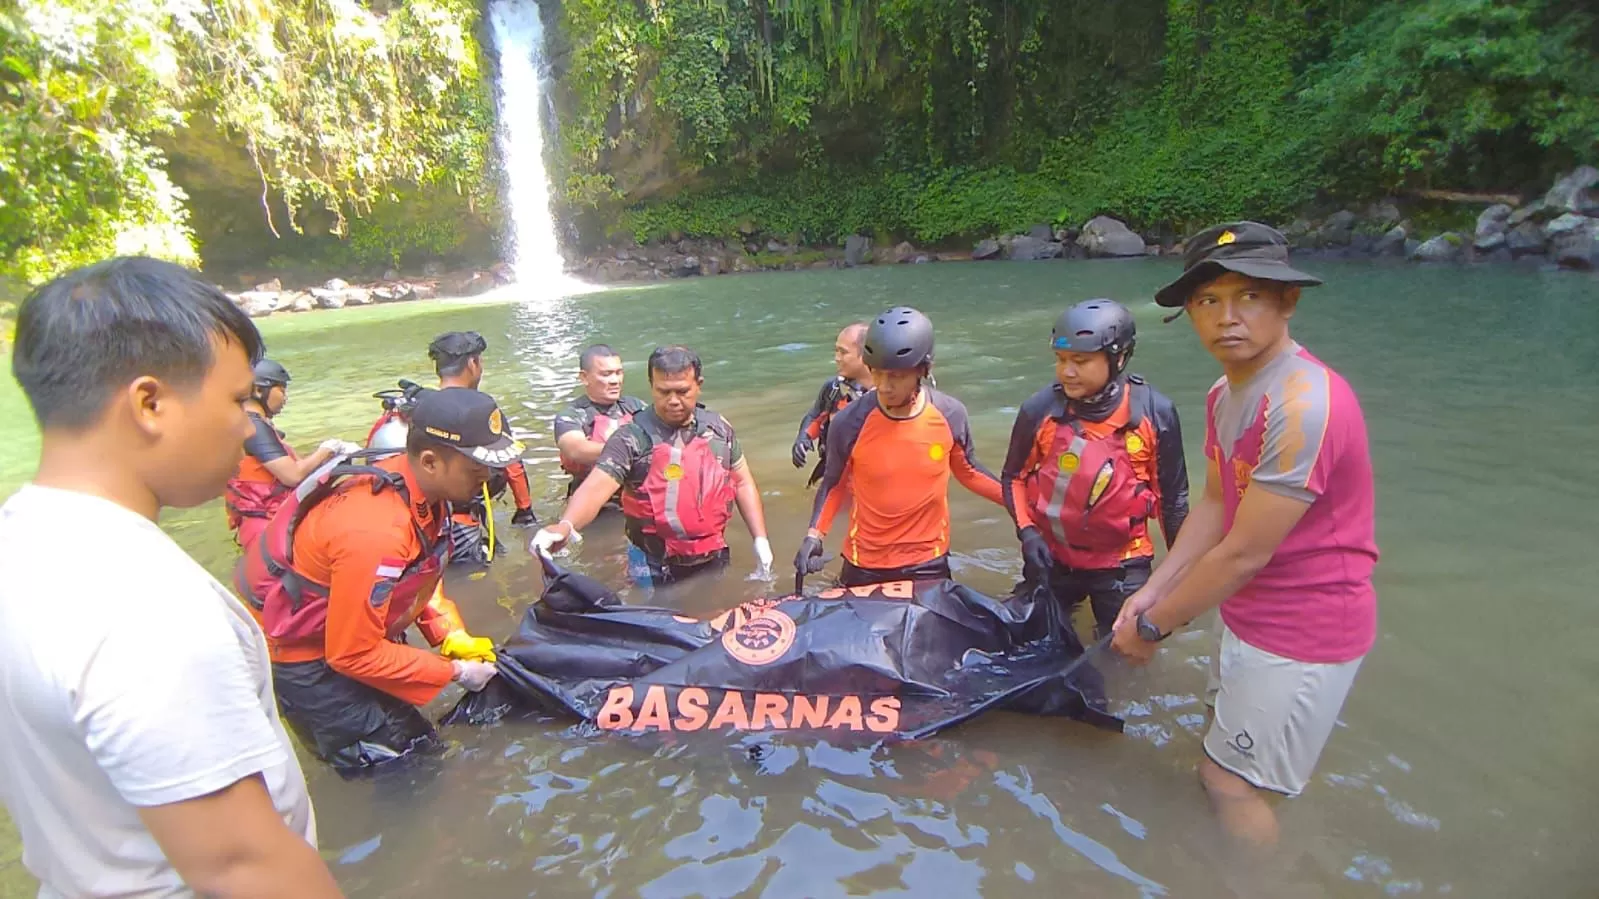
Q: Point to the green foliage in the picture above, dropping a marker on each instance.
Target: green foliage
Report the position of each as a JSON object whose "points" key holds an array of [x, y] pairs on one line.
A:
{"points": [[84, 87], [336, 103], [1462, 91], [939, 119]]}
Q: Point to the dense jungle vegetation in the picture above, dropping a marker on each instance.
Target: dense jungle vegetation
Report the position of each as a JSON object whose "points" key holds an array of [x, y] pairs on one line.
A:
{"points": [[360, 132]]}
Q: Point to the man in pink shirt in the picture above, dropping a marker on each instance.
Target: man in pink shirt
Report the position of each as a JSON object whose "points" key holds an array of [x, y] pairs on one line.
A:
{"points": [[1283, 539]]}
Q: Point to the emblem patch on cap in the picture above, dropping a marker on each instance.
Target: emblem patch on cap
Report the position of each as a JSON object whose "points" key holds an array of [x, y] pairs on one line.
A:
{"points": [[1226, 238], [496, 422]]}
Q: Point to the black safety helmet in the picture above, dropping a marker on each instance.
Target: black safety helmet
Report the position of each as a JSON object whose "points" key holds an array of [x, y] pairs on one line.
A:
{"points": [[1094, 326], [269, 374], [901, 338]]}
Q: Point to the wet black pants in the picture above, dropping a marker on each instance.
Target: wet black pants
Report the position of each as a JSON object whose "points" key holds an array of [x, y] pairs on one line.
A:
{"points": [[344, 722], [1106, 589]]}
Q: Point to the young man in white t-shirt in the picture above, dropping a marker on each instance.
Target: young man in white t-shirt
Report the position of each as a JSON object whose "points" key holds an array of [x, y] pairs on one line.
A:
{"points": [[141, 752]]}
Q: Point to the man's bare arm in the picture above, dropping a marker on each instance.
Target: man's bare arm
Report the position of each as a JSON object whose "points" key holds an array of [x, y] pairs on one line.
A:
{"points": [[233, 843]]}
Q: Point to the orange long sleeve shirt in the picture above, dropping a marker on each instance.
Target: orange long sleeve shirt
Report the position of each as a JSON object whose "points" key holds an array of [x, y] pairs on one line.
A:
{"points": [[897, 473], [357, 542]]}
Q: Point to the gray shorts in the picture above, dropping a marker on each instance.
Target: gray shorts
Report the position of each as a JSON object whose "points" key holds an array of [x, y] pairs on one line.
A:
{"points": [[1273, 714]]}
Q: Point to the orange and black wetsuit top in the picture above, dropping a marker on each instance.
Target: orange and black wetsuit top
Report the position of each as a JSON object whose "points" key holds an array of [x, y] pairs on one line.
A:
{"points": [[254, 492], [896, 472], [1090, 485], [360, 543], [836, 393]]}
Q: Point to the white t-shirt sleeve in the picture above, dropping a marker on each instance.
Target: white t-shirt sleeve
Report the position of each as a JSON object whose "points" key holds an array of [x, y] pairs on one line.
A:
{"points": [[169, 708]]}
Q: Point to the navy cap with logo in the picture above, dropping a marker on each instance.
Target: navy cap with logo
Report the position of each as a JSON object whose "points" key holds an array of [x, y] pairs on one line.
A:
{"points": [[1248, 248], [456, 344], [468, 420]]}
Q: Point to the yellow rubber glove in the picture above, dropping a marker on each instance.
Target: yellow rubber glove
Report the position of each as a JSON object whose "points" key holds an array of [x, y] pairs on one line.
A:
{"points": [[462, 645]]}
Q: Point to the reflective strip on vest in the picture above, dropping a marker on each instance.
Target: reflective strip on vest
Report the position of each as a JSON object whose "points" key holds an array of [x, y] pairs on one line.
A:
{"points": [[1057, 497], [674, 460]]}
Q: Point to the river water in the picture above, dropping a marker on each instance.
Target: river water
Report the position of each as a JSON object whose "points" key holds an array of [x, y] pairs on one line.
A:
{"points": [[1462, 765]]}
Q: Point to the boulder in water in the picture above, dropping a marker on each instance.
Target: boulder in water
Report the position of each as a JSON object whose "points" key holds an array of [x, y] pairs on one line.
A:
{"points": [[273, 286], [300, 301], [1535, 211], [1525, 239], [1574, 192], [1575, 246], [904, 252], [1029, 249], [335, 284], [1443, 248], [986, 249], [1487, 243], [1103, 236], [1041, 232], [1493, 220], [1568, 222]]}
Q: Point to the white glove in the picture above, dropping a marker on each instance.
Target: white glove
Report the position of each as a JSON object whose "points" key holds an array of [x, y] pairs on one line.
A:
{"points": [[339, 447], [550, 540], [763, 558], [473, 675]]}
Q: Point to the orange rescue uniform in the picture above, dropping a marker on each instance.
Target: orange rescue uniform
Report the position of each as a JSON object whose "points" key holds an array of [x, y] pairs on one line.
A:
{"points": [[897, 473], [357, 542]]}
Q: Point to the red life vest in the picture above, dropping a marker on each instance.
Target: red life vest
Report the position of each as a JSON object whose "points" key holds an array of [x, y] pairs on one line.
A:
{"points": [[687, 498], [292, 607], [1088, 499], [600, 430], [253, 491]]}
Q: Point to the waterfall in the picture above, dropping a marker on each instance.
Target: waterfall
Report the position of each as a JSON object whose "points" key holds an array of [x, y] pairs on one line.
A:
{"points": [[519, 97]]}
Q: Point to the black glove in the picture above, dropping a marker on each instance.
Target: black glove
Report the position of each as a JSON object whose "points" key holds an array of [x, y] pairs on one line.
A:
{"points": [[524, 518], [802, 445], [1036, 558], [810, 558]]}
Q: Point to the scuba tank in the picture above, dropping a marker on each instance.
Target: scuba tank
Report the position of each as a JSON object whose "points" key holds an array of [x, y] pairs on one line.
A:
{"points": [[389, 433]]}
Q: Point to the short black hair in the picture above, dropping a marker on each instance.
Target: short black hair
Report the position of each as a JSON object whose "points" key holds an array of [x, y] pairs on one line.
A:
{"points": [[594, 354], [671, 360], [92, 330]]}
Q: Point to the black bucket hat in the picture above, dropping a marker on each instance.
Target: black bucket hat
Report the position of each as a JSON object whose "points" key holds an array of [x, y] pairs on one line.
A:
{"points": [[453, 345], [1248, 248]]}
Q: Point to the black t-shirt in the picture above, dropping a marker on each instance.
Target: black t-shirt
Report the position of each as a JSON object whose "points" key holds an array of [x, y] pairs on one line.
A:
{"points": [[266, 443], [626, 456], [580, 415]]}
